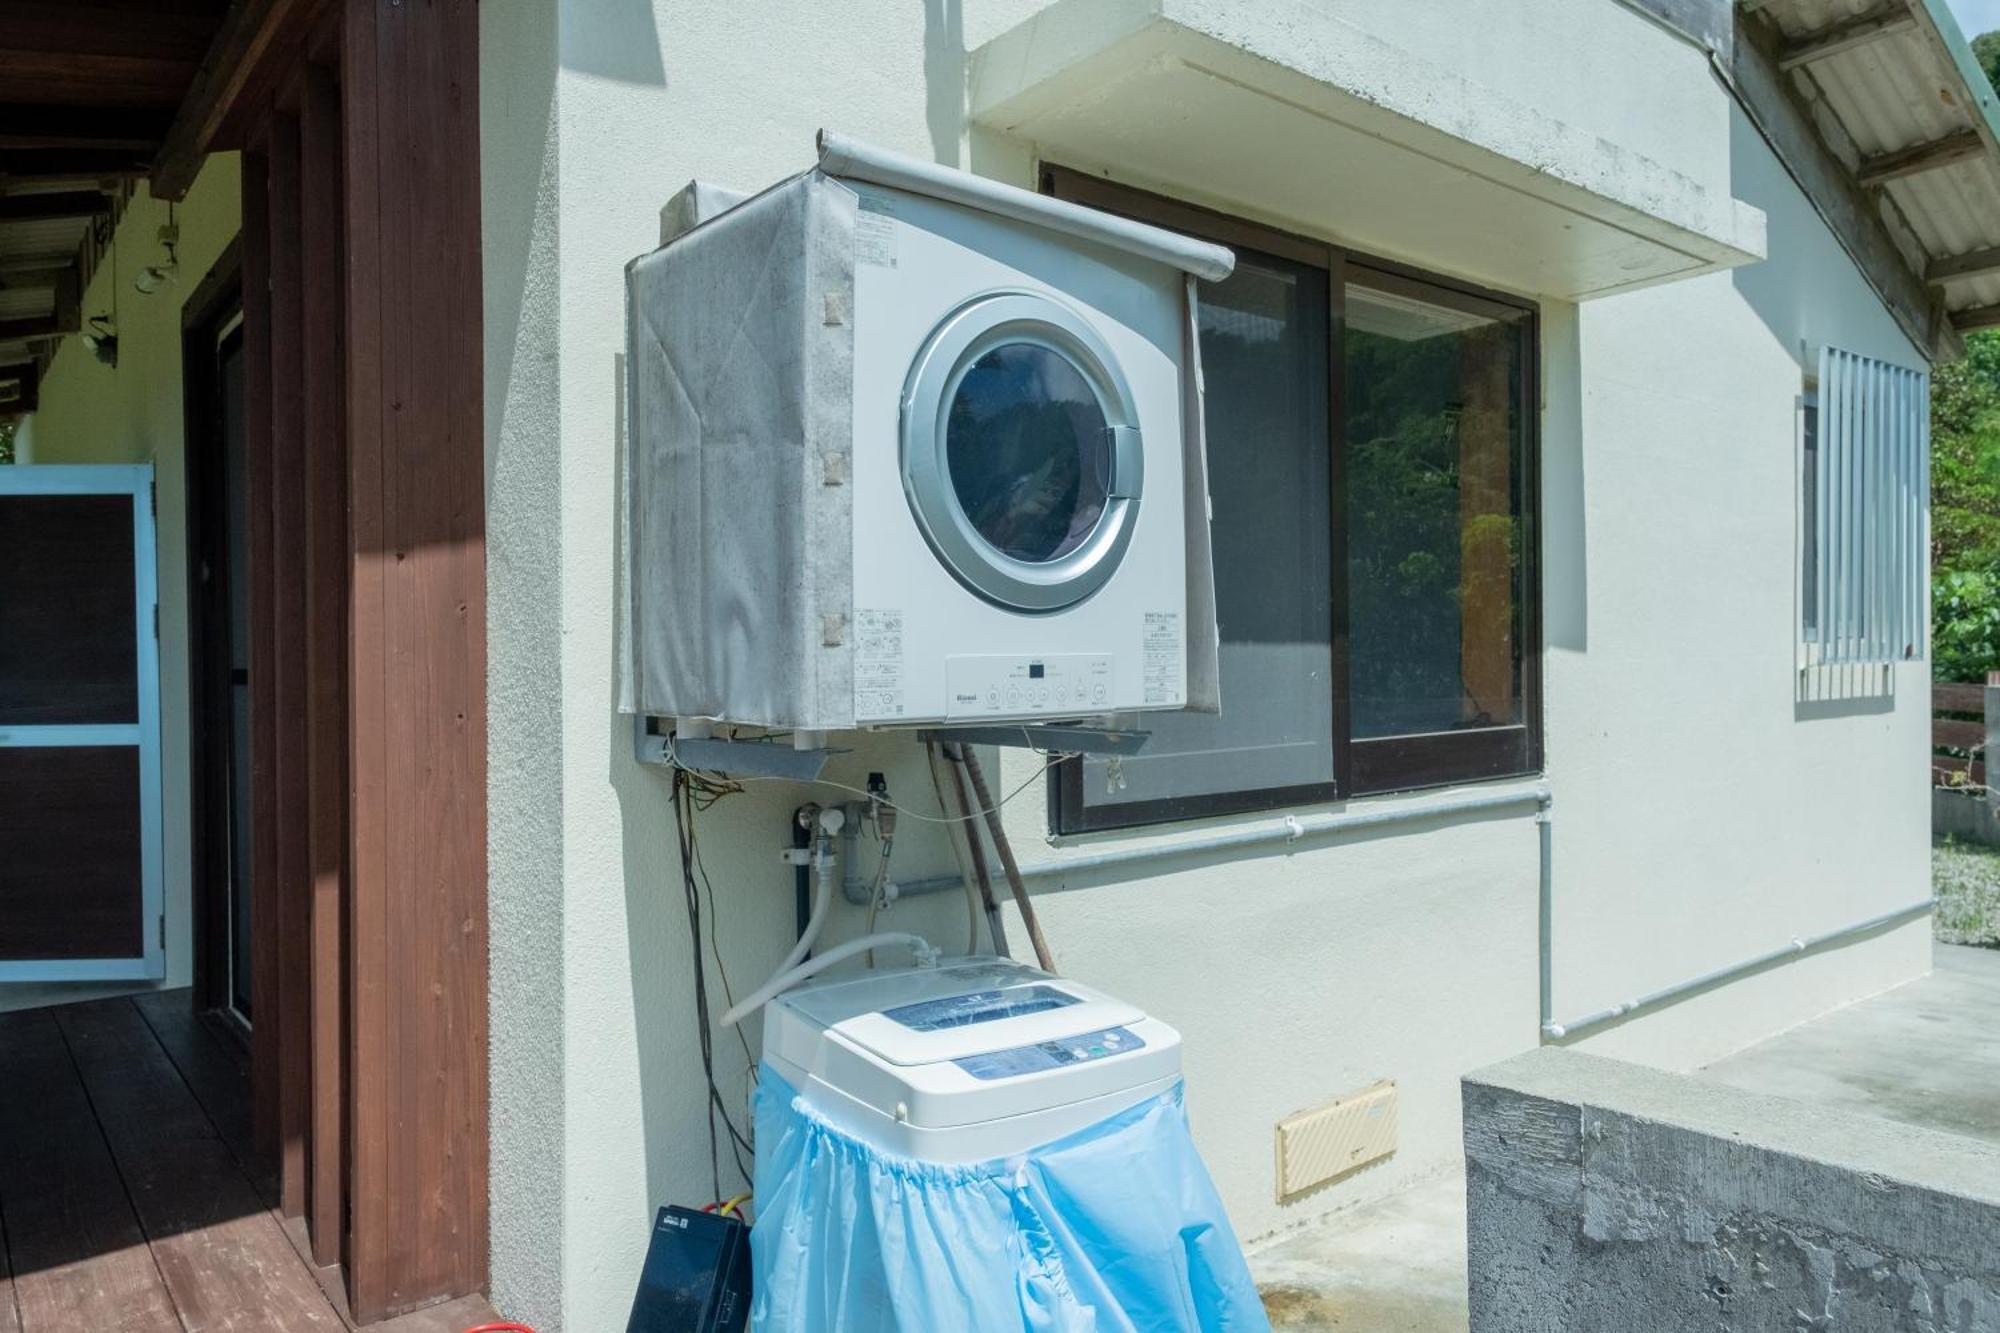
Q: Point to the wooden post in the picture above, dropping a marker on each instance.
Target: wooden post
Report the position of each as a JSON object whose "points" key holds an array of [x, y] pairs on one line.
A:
{"points": [[286, 900], [264, 977], [416, 654], [1992, 754], [325, 542]]}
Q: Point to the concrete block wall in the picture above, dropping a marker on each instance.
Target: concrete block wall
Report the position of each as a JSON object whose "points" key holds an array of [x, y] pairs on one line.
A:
{"points": [[1606, 1196]]}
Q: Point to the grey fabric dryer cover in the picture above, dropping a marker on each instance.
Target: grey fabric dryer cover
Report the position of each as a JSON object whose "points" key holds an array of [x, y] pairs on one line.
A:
{"points": [[739, 516]]}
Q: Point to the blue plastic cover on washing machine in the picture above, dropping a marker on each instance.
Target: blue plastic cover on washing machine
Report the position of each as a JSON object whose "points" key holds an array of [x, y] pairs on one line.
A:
{"points": [[1114, 1229]]}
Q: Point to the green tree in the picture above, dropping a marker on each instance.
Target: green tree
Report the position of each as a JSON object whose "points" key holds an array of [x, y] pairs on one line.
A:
{"points": [[1965, 490], [1986, 49], [1965, 461], [7, 439]]}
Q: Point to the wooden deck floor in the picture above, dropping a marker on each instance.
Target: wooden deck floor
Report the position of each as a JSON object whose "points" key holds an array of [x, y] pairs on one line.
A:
{"points": [[128, 1198]]}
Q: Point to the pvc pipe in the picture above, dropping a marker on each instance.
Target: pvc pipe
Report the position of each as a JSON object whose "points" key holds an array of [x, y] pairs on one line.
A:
{"points": [[1796, 949], [1283, 832], [1546, 910], [823, 865], [788, 978]]}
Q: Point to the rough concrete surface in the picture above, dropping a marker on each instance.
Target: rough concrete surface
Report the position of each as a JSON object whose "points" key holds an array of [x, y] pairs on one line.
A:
{"points": [[1927, 1053], [1398, 1264], [1605, 1196]]}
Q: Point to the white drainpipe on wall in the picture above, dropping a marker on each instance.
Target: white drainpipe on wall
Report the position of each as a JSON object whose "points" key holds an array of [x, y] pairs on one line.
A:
{"points": [[1282, 833], [1271, 833], [1797, 948]]}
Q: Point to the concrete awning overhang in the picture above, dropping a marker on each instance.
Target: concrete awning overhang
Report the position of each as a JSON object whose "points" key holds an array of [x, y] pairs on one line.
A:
{"points": [[1297, 116]]}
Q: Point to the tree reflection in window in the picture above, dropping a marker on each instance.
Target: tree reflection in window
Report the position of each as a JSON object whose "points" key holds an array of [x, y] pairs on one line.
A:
{"points": [[1433, 434]]}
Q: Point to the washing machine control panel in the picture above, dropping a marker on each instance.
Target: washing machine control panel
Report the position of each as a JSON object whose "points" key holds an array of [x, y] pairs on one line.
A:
{"points": [[1062, 684], [1083, 1047]]}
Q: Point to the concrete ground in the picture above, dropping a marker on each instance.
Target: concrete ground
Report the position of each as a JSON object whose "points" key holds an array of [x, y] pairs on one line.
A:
{"points": [[1397, 1266], [1924, 1054]]}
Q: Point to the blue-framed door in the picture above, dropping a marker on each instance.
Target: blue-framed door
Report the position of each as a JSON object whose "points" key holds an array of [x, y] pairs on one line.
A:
{"points": [[81, 855]]}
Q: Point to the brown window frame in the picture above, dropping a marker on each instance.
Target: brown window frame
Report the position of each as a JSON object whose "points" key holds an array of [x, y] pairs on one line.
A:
{"points": [[1375, 766]]}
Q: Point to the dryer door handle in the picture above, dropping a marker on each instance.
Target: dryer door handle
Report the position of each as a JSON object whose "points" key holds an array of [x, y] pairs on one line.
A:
{"points": [[1128, 463]]}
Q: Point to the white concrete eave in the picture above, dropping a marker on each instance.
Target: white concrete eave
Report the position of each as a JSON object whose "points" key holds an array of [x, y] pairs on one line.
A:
{"points": [[1286, 111]]}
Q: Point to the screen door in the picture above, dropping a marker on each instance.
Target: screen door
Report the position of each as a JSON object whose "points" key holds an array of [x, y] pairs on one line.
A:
{"points": [[80, 847]]}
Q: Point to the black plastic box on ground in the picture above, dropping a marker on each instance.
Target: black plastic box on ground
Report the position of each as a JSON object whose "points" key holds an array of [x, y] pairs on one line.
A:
{"points": [[697, 1275]]}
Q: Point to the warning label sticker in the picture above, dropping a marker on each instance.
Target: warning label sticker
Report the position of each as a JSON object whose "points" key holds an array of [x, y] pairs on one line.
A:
{"points": [[878, 664], [875, 234], [1162, 657]]}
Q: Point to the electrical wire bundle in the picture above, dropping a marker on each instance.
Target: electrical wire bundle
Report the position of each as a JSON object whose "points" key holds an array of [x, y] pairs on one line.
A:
{"points": [[694, 793]]}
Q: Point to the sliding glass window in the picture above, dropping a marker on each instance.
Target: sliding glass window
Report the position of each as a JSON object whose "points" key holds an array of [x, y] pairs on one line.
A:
{"points": [[1371, 451]]}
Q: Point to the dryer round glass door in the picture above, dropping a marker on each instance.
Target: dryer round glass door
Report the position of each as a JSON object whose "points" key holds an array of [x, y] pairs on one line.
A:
{"points": [[1021, 451]]}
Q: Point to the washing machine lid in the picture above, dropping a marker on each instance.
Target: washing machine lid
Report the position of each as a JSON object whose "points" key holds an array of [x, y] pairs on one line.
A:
{"points": [[960, 1009]]}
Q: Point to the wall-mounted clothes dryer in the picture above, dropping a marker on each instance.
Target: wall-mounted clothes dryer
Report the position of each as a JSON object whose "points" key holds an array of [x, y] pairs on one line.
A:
{"points": [[911, 446]]}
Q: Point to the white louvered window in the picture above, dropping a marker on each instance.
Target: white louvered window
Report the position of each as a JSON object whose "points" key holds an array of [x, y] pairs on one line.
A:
{"points": [[1865, 478]]}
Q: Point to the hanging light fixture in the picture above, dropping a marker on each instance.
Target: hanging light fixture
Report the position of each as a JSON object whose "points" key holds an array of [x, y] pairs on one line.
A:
{"points": [[102, 340]]}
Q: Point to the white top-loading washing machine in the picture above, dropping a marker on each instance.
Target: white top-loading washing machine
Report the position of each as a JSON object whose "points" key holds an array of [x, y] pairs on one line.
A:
{"points": [[971, 1060], [910, 446]]}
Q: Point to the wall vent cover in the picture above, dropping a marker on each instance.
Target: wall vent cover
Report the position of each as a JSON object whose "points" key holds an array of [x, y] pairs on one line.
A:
{"points": [[1321, 1145]]}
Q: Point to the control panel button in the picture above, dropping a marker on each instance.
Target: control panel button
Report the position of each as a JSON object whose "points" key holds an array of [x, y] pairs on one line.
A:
{"points": [[999, 686]]}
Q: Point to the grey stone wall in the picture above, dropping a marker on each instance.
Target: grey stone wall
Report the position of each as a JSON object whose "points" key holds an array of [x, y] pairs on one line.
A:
{"points": [[1605, 1196]]}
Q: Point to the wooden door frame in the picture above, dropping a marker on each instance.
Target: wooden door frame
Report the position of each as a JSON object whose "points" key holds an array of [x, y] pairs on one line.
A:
{"points": [[359, 123], [217, 299]]}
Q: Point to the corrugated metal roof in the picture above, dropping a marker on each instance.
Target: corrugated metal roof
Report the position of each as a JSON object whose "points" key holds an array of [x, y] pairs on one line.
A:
{"points": [[1912, 85]]}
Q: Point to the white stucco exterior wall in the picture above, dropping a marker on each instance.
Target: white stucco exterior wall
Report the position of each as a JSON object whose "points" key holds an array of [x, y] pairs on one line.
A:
{"points": [[132, 413], [1702, 813]]}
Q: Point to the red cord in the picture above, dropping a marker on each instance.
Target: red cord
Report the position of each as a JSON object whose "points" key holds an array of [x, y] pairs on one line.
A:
{"points": [[499, 1328]]}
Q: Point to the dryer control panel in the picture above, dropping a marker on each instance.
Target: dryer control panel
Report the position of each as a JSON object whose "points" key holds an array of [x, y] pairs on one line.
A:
{"points": [[1063, 684]]}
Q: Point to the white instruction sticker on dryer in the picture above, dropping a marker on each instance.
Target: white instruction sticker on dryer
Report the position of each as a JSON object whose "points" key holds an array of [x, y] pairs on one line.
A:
{"points": [[878, 663], [875, 232], [1162, 657]]}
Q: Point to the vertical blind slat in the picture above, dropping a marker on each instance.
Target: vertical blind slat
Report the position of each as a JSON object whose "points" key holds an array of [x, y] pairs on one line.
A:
{"points": [[1822, 506], [1871, 506]]}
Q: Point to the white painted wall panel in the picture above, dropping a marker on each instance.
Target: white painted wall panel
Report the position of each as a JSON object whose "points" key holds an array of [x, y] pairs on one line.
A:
{"points": [[1703, 812]]}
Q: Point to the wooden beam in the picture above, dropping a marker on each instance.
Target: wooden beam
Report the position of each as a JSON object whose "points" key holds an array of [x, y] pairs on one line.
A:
{"points": [[51, 207], [1974, 264], [29, 166], [55, 259], [1976, 317], [249, 33], [82, 29], [19, 330], [1918, 158], [1869, 26], [1782, 114], [39, 125], [416, 654], [31, 279], [67, 317]]}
